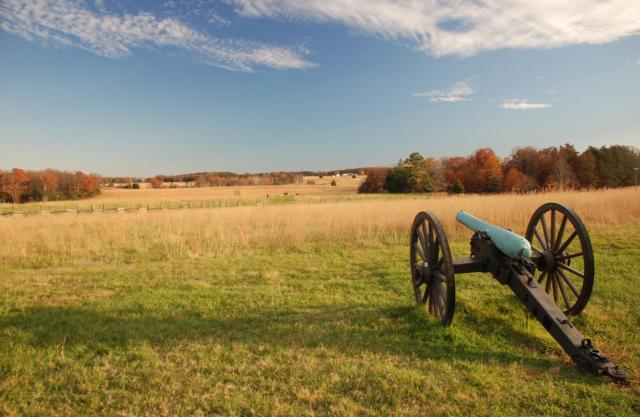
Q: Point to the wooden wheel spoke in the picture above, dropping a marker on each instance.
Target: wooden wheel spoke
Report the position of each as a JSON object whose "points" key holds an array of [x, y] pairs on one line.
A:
{"points": [[547, 287], [545, 230], [431, 236], [535, 232], [536, 249], [569, 256], [542, 277], [553, 228], [440, 276], [426, 236], [434, 300], [570, 283], [443, 304], [564, 294], [566, 244], [558, 239], [435, 251], [419, 251], [421, 240], [417, 280], [554, 283], [568, 268]]}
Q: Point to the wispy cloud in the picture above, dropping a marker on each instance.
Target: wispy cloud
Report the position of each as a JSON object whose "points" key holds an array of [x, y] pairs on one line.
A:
{"points": [[523, 105], [466, 27], [460, 91], [205, 10], [71, 23]]}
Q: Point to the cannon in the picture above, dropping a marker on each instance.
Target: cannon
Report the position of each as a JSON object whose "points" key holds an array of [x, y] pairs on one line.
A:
{"points": [[550, 270]]}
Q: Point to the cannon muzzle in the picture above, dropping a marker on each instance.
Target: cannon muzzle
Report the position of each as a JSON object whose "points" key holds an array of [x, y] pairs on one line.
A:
{"points": [[507, 242]]}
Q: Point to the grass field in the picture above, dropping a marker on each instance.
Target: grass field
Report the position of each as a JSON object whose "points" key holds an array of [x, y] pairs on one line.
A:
{"points": [[319, 190], [299, 309]]}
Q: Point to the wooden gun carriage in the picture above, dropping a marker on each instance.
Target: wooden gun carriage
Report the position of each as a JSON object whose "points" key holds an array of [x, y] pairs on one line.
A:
{"points": [[550, 270]]}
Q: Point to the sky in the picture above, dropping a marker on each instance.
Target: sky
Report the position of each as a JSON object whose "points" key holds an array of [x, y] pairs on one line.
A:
{"points": [[142, 88]]}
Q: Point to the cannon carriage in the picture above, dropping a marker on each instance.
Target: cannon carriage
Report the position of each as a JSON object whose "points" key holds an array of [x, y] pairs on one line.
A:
{"points": [[550, 270]]}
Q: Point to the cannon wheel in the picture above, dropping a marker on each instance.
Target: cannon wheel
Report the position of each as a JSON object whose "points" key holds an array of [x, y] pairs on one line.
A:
{"points": [[565, 264], [432, 274]]}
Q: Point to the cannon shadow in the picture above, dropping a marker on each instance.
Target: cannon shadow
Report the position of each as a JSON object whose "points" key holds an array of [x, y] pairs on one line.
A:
{"points": [[401, 331]]}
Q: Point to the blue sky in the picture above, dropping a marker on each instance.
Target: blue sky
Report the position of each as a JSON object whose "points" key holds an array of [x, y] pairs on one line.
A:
{"points": [[148, 87]]}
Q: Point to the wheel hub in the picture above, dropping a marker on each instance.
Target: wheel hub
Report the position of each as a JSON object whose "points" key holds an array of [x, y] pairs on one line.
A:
{"points": [[547, 262], [425, 273]]}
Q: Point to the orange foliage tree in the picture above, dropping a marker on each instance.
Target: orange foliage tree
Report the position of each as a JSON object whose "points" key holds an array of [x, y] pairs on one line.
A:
{"points": [[47, 181], [155, 182], [486, 172], [518, 181], [15, 183], [85, 185], [374, 183]]}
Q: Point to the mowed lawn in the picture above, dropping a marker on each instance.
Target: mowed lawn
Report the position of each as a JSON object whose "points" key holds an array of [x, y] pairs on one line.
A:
{"points": [[327, 327]]}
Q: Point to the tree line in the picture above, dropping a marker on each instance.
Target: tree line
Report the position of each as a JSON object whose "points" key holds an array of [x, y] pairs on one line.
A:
{"points": [[224, 179], [526, 169], [19, 186]]}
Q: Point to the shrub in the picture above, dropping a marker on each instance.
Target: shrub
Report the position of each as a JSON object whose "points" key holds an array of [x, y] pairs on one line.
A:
{"points": [[456, 187]]}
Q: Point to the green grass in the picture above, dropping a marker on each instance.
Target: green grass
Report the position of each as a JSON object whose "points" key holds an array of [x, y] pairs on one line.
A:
{"points": [[330, 331]]}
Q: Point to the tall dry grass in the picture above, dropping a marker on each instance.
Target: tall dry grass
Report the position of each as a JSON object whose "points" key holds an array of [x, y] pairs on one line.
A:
{"points": [[171, 235]]}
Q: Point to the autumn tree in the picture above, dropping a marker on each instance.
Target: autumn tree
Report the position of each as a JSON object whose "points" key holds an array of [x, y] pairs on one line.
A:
{"points": [[516, 181], [47, 182], [15, 183], [155, 182], [375, 181], [454, 169], [486, 172], [586, 169], [525, 160], [85, 185], [2, 192], [562, 174]]}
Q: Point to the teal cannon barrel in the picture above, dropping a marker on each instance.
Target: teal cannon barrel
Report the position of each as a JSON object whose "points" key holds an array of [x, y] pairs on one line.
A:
{"points": [[507, 242]]}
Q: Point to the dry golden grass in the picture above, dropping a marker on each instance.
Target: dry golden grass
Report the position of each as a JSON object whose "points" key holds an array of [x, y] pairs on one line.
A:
{"points": [[215, 232], [322, 186], [133, 197], [312, 313]]}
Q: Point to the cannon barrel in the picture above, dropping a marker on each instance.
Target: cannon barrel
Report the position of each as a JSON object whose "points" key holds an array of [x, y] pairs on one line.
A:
{"points": [[509, 243]]}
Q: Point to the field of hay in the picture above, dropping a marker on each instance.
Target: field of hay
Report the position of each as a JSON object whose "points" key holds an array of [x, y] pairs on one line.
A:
{"points": [[320, 187], [297, 309], [312, 189]]}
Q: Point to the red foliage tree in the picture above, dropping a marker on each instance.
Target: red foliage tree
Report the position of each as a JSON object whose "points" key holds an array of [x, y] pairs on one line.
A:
{"points": [[375, 181], [455, 169], [518, 181]]}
